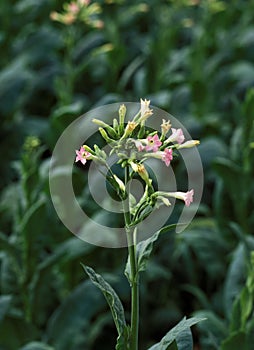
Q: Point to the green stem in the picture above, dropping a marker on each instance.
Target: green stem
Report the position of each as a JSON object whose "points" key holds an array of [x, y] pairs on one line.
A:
{"points": [[133, 273], [134, 300]]}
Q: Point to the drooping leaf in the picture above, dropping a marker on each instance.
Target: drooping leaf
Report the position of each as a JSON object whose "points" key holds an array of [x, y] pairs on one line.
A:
{"points": [[111, 297], [123, 339], [175, 333]]}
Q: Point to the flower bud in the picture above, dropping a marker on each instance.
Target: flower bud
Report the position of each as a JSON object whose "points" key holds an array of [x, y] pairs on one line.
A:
{"points": [[120, 183], [109, 128], [189, 144], [141, 170], [105, 136], [122, 113], [165, 127], [128, 129]]}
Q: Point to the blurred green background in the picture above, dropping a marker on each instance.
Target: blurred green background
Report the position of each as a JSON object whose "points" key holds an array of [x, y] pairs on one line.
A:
{"points": [[192, 58]]}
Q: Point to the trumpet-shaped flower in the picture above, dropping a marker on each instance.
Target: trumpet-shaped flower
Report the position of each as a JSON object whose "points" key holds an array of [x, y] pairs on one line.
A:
{"points": [[153, 143], [187, 197], [82, 155], [177, 135], [166, 156]]}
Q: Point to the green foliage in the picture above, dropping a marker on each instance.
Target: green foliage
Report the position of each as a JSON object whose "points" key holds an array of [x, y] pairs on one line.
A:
{"points": [[191, 58], [178, 335], [241, 320]]}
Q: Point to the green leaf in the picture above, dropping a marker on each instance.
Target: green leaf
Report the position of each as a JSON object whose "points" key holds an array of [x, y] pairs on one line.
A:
{"points": [[15, 332], [123, 340], [235, 341], [36, 346], [111, 297], [213, 331], [235, 278], [7, 245], [246, 302], [175, 333], [184, 340], [68, 328], [144, 250], [5, 301]]}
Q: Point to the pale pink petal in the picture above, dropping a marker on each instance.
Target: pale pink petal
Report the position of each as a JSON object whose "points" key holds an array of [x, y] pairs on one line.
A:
{"points": [[188, 199], [167, 156], [82, 155], [153, 143]]}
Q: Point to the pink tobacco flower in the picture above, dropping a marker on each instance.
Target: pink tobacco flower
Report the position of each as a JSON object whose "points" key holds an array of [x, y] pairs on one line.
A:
{"points": [[177, 135], [82, 155], [153, 143], [73, 8], [187, 197], [167, 156]]}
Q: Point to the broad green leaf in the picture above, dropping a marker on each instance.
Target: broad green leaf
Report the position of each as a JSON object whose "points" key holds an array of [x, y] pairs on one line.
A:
{"points": [[5, 301], [144, 250], [214, 327], [129, 71], [246, 302], [68, 328], [15, 332], [32, 223], [184, 340], [235, 278], [36, 346], [7, 245], [111, 297], [175, 333], [248, 125], [230, 173], [235, 341], [250, 334]]}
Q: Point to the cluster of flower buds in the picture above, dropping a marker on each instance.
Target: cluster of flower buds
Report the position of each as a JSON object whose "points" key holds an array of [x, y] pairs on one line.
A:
{"points": [[79, 10], [133, 144]]}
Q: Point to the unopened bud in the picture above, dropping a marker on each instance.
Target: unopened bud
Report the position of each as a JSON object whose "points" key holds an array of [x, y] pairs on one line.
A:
{"points": [[188, 144], [129, 128], [122, 113]]}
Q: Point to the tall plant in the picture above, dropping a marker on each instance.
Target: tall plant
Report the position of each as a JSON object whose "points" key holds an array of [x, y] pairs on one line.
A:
{"points": [[133, 143]]}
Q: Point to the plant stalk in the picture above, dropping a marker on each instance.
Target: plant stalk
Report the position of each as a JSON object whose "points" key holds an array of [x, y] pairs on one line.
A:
{"points": [[133, 273]]}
